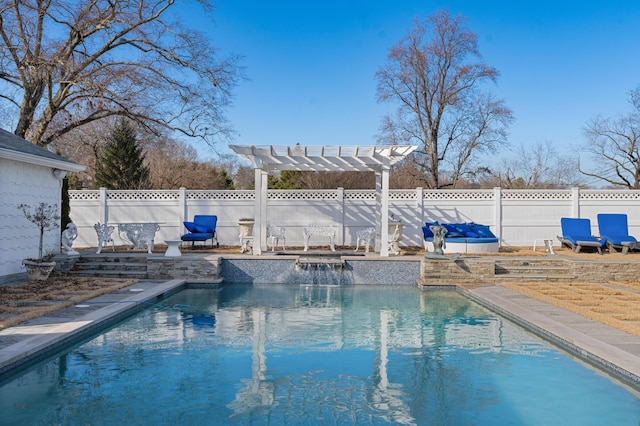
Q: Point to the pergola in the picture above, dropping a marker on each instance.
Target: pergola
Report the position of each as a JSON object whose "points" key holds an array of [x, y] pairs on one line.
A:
{"points": [[378, 159]]}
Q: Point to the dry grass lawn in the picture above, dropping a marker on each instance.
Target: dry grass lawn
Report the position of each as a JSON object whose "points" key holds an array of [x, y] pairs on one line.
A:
{"points": [[616, 304], [24, 301]]}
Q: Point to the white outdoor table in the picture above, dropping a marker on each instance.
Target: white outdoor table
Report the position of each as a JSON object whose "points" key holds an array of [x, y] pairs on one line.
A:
{"points": [[137, 234], [173, 248], [321, 230]]}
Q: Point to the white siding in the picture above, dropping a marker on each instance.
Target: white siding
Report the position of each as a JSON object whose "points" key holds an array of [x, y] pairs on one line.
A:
{"points": [[23, 183]]}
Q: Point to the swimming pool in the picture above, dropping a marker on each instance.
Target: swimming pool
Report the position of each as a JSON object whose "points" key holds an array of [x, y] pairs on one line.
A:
{"points": [[285, 354]]}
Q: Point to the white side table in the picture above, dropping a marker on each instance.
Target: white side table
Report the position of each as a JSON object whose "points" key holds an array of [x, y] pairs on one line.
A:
{"points": [[173, 248], [548, 244]]}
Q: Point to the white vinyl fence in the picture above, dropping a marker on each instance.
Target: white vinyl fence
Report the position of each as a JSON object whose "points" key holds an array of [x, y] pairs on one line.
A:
{"points": [[517, 217]]}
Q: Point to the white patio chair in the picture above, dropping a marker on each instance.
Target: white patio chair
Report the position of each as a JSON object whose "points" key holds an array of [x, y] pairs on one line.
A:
{"points": [[147, 235], [366, 236], [104, 232], [276, 233]]}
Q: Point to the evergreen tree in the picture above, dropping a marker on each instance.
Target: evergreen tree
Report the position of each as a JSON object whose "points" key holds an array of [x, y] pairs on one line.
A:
{"points": [[289, 179], [227, 180], [121, 165], [65, 213]]}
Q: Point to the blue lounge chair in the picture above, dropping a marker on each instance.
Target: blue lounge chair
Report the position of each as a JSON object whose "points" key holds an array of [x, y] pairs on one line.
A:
{"points": [[202, 228], [576, 234], [614, 229]]}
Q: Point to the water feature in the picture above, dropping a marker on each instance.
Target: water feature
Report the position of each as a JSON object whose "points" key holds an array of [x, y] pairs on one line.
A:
{"points": [[297, 354], [320, 270]]}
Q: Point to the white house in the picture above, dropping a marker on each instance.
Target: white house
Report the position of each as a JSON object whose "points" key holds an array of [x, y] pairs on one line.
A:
{"points": [[29, 175]]}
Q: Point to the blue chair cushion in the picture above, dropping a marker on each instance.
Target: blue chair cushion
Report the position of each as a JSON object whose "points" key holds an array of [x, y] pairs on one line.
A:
{"points": [[196, 236], [191, 227], [203, 229], [450, 228], [483, 231], [426, 231], [619, 239], [467, 230], [455, 234]]}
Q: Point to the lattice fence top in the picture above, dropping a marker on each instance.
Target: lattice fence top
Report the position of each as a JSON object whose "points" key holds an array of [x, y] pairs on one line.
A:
{"points": [[220, 195], [609, 195], [458, 194], [359, 194], [84, 195], [144, 195], [301, 194], [529, 194]]}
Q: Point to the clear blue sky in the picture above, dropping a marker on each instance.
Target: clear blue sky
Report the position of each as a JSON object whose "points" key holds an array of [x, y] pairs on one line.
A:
{"points": [[311, 64]]}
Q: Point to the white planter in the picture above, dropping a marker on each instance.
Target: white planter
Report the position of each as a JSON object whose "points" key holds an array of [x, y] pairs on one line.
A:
{"points": [[38, 270], [246, 234]]}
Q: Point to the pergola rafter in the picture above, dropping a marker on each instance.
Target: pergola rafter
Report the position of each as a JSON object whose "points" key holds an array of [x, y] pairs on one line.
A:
{"points": [[378, 159]]}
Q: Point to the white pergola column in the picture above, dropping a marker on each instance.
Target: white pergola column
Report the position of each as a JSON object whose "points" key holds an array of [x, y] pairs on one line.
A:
{"points": [[262, 229], [260, 212], [382, 198]]}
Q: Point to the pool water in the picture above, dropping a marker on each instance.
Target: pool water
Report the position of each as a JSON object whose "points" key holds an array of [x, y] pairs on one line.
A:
{"points": [[284, 354]]}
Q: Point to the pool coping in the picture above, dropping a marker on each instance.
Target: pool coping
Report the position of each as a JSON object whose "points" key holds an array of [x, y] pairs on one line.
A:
{"points": [[610, 349], [40, 337], [614, 351]]}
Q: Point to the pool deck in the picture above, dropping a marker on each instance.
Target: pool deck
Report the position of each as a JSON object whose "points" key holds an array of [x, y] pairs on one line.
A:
{"points": [[617, 351]]}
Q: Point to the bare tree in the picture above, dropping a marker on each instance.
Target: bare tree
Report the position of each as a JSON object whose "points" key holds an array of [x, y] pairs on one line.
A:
{"points": [[83, 146], [67, 63], [346, 180], [614, 146], [634, 98], [430, 73], [538, 166]]}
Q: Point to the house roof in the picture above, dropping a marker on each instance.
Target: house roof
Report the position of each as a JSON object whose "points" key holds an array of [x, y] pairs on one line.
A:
{"points": [[323, 158], [15, 148]]}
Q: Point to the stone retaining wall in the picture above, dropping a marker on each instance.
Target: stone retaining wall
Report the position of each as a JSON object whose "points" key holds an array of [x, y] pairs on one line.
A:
{"points": [[492, 270], [399, 270], [185, 267]]}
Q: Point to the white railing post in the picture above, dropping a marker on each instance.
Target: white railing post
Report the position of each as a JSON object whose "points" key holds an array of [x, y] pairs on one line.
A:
{"points": [[575, 202], [340, 201], [182, 206], [104, 207], [420, 203], [497, 199]]}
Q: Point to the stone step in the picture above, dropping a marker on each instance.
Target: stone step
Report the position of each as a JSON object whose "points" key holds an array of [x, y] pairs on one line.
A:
{"points": [[521, 269], [108, 273], [110, 265], [536, 277], [112, 258], [546, 264]]}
